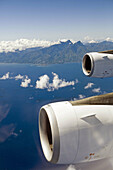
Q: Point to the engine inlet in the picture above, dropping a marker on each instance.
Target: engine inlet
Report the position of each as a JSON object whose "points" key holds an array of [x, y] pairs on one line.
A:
{"points": [[49, 134], [87, 65]]}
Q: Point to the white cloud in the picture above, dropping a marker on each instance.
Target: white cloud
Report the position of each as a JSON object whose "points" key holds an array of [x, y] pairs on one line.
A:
{"points": [[19, 76], [96, 90], [109, 39], [88, 39], [43, 83], [92, 41], [25, 80], [4, 77], [22, 44], [89, 85], [59, 83], [63, 40], [25, 83], [7, 76], [81, 96]]}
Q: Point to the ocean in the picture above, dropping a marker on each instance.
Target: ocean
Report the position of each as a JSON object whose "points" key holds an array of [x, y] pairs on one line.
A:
{"points": [[24, 89]]}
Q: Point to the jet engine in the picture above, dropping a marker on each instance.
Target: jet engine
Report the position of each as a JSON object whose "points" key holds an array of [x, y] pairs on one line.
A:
{"points": [[78, 131], [98, 64]]}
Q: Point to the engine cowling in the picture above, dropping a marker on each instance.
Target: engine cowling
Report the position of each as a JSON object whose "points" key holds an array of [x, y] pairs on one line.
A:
{"points": [[72, 134], [98, 64]]}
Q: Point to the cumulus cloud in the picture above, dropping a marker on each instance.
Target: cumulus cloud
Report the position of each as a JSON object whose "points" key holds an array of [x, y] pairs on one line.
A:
{"points": [[7, 76], [81, 96], [96, 90], [19, 76], [25, 83], [59, 83], [25, 80], [43, 82], [4, 77], [89, 85]]}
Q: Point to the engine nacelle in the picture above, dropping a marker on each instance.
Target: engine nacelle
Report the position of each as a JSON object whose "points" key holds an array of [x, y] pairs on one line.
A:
{"points": [[72, 134], [98, 64]]}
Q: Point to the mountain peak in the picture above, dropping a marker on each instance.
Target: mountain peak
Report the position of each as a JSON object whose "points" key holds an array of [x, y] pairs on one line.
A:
{"points": [[79, 43], [66, 42]]}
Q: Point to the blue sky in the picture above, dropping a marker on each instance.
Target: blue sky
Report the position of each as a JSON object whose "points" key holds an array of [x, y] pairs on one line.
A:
{"points": [[56, 19]]}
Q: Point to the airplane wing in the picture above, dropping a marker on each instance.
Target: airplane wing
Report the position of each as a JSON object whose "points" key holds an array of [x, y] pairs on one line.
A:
{"points": [[108, 52], [81, 132]]}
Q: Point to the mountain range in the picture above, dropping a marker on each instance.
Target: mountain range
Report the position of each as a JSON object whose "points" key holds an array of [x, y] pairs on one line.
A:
{"points": [[64, 52]]}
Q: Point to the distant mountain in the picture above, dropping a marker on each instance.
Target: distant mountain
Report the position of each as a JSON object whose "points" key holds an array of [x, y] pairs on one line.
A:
{"points": [[64, 52]]}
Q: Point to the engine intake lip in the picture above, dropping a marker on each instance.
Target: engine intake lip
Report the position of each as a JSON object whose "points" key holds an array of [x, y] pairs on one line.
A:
{"points": [[88, 65], [49, 134]]}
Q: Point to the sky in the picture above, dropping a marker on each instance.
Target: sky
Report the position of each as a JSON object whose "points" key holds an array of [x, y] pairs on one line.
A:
{"points": [[56, 19]]}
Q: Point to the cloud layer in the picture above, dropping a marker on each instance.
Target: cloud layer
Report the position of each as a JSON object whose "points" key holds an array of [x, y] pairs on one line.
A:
{"points": [[89, 39], [22, 44]]}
